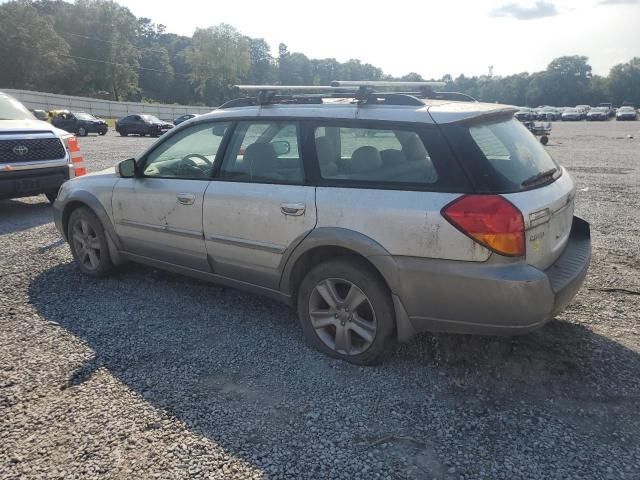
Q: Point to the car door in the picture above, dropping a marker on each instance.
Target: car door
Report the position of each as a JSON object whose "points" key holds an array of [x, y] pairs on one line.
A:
{"points": [[158, 214], [258, 206], [65, 121]]}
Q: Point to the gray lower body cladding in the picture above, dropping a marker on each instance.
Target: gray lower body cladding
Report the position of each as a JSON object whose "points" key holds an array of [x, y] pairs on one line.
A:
{"points": [[24, 183], [489, 298]]}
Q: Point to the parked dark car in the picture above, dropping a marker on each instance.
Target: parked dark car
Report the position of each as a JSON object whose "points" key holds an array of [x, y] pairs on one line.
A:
{"points": [[626, 113], [548, 114], [608, 106], [598, 113], [80, 123], [184, 118], [525, 114], [39, 114], [142, 125], [571, 114]]}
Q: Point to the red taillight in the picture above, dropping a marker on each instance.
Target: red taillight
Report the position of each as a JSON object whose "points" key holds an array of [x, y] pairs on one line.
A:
{"points": [[490, 220]]}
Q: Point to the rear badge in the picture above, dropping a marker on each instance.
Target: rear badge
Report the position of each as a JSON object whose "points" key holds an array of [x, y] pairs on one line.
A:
{"points": [[536, 236]]}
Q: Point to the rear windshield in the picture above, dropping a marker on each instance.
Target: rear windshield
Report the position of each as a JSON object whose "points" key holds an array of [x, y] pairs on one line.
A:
{"points": [[502, 156]]}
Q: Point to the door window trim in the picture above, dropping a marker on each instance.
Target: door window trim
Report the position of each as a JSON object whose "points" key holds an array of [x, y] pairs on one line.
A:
{"points": [[317, 179], [298, 121]]}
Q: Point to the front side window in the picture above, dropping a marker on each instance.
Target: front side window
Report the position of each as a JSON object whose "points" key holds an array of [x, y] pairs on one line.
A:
{"points": [[187, 154], [373, 155], [264, 151]]}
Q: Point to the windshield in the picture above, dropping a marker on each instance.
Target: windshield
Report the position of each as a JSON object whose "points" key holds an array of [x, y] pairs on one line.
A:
{"points": [[626, 109], [84, 116], [11, 109], [571, 110], [151, 118]]}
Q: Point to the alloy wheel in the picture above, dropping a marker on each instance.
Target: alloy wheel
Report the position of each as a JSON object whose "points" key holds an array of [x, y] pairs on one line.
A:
{"points": [[342, 316], [86, 244]]}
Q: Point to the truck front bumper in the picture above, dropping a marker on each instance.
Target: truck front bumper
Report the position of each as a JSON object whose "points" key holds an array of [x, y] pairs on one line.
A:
{"points": [[24, 183]]}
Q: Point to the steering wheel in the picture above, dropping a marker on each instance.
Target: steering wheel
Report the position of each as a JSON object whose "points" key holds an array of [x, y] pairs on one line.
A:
{"points": [[187, 165], [187, 158]]}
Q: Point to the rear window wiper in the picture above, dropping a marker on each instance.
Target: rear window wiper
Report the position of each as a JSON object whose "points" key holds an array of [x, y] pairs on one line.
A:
{"points": [[539, 176]]}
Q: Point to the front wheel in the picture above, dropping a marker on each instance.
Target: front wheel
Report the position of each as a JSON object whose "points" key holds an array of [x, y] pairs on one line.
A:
{"points": [[123, 133], [346, 310], [544, 140], [82, 132], [102, 133], [88, 243]]}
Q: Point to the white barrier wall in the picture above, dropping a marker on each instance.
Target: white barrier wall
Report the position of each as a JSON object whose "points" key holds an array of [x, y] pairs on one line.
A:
{"points": [[100, 108]]}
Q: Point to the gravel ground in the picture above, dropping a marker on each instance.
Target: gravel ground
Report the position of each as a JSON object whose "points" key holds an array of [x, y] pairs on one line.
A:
{"points": [[151, 375]]}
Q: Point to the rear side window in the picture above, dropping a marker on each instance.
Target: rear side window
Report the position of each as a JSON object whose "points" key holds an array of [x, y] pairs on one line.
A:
{"points": [[501, 156], [394, 157]]}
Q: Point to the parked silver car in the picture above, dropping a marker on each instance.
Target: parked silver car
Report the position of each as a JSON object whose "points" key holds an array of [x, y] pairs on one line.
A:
{"points": [[444, 216]]}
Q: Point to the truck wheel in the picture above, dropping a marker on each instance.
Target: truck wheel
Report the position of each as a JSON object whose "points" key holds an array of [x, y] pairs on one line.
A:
{"points": [[82, 132], [346, 311], [88, 243]]}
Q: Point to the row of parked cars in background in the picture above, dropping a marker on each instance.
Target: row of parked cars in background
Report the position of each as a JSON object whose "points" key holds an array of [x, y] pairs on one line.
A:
{"points": [[603, 111], [82, 123]]}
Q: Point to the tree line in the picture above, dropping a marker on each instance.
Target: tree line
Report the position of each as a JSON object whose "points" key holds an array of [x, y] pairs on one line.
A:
{"points": [[98, 48]]}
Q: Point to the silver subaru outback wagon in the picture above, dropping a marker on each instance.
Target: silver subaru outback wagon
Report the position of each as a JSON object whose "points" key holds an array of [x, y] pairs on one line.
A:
{"points": [[376, 215]]}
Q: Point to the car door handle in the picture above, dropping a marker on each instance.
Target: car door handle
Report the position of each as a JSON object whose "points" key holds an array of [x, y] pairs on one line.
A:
{"points": [[293, 209], [186, 198]]}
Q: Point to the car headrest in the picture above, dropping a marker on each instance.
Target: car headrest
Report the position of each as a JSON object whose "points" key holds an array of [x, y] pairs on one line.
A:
{"points": [[261, 159], [365, 159], [414, 149], [326, 156], [392, 157]]}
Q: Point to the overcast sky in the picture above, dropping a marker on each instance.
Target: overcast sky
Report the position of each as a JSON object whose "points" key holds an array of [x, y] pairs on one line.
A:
{"points": [[428, 37]]}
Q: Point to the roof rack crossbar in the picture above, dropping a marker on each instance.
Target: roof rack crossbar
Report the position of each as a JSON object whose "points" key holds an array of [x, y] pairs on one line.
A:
{"points": [[362, 92]]}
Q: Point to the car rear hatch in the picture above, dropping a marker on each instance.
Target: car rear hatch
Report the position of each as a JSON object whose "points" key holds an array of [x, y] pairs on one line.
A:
{"points": [[501, 157]]}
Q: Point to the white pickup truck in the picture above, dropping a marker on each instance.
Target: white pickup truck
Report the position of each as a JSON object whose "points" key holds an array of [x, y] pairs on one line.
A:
{"points": [[35, 156]]}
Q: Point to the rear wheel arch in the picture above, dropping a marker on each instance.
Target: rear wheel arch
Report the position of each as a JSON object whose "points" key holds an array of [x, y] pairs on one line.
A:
{"points": [[324, 244]]}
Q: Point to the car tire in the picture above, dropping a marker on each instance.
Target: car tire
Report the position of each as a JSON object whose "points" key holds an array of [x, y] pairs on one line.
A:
{"points": [[102, 133], [88, 242], [123, 133], [352, 307], [51, 196], [82, 132], [544, 140]]}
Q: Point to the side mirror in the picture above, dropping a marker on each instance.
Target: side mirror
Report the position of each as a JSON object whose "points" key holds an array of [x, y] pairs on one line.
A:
{"points": [[126, 168], [281, 147], [219, 130]]}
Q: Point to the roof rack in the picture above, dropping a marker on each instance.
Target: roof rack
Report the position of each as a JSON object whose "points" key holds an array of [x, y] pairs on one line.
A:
{"points": [[362, 92]]}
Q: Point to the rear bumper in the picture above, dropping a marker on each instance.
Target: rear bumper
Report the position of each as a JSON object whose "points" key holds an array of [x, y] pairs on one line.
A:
{"points": [[24, 183], [490, 298]]}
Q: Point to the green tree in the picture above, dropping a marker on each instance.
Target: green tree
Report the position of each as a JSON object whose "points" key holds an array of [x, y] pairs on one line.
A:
{"points": [[217, 58], [624, 82], [261, 63], [568, 80], [32, 55]]}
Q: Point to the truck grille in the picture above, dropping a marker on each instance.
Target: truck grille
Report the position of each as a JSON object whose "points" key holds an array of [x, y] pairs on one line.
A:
{"points": [[32, 149]]}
